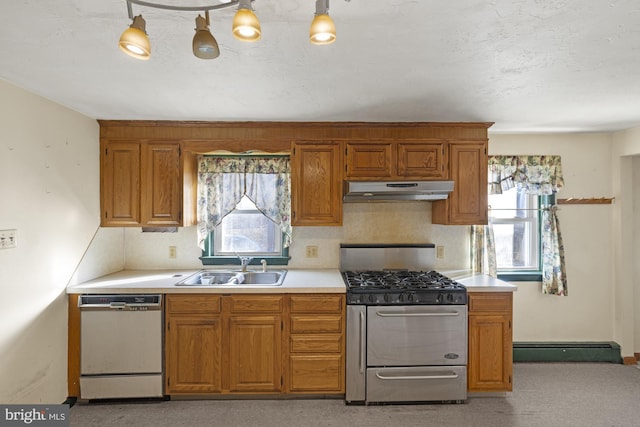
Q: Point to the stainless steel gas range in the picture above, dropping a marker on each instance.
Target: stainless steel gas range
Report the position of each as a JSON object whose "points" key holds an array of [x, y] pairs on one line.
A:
{"points": [[406, 326]]}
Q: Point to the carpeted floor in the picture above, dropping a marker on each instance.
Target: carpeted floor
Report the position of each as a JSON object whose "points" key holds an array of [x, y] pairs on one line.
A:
{"points": [[544, 394]]}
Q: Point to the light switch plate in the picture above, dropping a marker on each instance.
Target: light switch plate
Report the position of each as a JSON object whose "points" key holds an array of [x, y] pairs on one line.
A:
{"points": [[8, 239]]}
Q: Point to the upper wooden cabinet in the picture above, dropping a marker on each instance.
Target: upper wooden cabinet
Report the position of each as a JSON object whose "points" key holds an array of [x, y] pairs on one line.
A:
{"points": [[142, 184], [120, 183], [467, 204], [399, 160], [316, 183]]}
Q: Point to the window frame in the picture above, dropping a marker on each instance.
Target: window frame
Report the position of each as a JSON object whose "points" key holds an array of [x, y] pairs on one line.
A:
{"points": [[209, 256], [530, 275]]}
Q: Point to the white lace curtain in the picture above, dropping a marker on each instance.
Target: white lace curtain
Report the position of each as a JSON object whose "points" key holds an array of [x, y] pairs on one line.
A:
{"points": [[223, 181], [540, 175]]}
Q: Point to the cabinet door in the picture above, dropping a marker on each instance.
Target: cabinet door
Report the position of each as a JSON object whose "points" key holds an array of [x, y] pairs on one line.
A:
{"points": [[120, 183], [422, 160], [316, 184], [490, 362], [194, 354], [255, 353], [467, 204], [369, 160], [161, 198]]}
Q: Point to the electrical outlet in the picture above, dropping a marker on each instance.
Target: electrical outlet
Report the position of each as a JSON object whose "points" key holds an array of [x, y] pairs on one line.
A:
{"points": [[172, 251], [8, 239], [312, 251], [440, 252]]}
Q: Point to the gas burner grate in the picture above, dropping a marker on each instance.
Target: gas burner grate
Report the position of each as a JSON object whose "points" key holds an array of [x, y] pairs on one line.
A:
{"points": [[399, 280]]}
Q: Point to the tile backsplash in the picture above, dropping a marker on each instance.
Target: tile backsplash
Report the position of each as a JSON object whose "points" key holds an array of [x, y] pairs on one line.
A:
{"points": [[402, 222]]}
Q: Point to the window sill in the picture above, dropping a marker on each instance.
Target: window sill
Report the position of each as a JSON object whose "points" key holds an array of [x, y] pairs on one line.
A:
{"points": [[520, 277], [232, 260]]}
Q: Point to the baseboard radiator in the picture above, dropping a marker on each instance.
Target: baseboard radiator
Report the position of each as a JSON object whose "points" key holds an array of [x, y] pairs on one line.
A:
{"points": [[567, 352]]}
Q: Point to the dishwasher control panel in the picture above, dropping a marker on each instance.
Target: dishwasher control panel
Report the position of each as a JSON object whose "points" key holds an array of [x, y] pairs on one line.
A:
{"points": [[131, 302]]}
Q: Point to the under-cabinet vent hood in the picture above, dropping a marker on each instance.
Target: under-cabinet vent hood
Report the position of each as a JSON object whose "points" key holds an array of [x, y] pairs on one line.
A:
{"points": [[395, 191]]}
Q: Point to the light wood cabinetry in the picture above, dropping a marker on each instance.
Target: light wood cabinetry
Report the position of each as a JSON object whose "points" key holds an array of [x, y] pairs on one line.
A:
{"points": [[490, 363], [193, 344], [467, 204], [142, 184], [316, 183], [254, 343], [396, 160], [120, 183], [316, 344]]}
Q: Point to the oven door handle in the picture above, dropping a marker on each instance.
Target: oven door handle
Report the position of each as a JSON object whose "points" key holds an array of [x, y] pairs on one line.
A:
{"points": [[363, 331], [453, 375], [402, 314]]}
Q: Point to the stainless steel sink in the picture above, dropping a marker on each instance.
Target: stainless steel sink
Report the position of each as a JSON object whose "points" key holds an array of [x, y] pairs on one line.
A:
{"points": [[234, 278]]}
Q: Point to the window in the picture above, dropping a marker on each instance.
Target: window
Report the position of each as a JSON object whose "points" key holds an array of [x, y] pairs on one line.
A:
{"points": [[246, 231], [515, 216], [516, 230], [244, 206]]}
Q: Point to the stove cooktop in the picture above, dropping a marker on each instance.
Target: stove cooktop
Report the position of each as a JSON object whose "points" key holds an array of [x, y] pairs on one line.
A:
{"points": [[402, 287]]}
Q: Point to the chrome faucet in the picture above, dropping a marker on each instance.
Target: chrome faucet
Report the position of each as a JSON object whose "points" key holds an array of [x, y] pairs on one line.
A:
{"points": [[244, 262], [264, 265]]}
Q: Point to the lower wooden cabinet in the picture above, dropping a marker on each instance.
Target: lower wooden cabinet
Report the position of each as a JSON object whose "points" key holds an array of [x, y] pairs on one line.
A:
{"points": [[490, 363], [316, 344], [251, 344]]}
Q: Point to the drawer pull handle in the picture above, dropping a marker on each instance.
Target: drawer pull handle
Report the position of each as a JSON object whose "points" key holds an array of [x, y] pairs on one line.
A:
{"points": [[451, 376]]}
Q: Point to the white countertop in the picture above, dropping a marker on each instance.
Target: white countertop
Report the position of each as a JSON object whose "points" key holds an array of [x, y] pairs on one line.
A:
{"points": [[296, 281], [478, 282], [164, 281]]}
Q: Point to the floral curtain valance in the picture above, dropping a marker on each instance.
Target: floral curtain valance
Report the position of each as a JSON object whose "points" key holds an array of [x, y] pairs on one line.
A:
{"points": [[541, 175], [223, 181]]}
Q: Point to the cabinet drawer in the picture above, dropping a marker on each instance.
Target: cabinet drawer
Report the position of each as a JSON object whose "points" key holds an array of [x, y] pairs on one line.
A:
{"points": [[316, 324], [316, 304], [193, 304], [321, 373], [255, 303], [328, 343], [490, 302]]}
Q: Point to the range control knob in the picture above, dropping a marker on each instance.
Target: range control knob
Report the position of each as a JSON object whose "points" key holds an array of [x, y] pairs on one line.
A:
{"points": [[372, 298], [410, 297], [387, 297], [450, 297], [439, 298]]}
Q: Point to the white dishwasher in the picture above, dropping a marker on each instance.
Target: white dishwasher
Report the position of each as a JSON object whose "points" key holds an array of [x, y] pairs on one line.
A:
{"points": [[120, 346]]}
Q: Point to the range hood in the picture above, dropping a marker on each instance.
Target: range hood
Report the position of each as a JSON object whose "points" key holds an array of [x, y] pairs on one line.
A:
{"points": [[392, 191]]}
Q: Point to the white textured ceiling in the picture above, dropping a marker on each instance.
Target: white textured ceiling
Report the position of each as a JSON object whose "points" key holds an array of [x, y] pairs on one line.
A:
{"points": [[527, 65]]}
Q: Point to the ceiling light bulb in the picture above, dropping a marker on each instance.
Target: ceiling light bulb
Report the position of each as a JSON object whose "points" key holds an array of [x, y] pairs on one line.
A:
{"points": [[205, 45], [246, 26], [134, 41], [323, 30]]}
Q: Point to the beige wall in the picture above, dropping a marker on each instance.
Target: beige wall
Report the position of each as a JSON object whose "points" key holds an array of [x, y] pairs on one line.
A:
{"points": [[587, 313], [48, 190]]}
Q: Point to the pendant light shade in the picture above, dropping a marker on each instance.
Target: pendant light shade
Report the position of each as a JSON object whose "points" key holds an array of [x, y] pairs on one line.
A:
{"points": [[323, 30], [246, 26], [205, 45], [134, 41]]}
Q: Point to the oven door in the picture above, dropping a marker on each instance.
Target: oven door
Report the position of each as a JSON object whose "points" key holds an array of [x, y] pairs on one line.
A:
{"points": [[417, 335]]}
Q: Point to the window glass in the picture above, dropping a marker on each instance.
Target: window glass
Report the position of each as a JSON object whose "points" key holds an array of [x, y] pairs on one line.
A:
{"points": [[516, 228], [246, 231]]}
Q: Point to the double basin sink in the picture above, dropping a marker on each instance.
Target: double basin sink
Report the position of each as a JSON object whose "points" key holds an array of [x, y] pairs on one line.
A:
{"points": [[234, 278]]}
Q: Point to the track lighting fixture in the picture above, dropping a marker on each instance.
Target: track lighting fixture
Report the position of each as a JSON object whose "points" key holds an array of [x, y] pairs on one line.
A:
{"points": [[134, 40], [245, 27], [205, 45], [323, 30]]}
